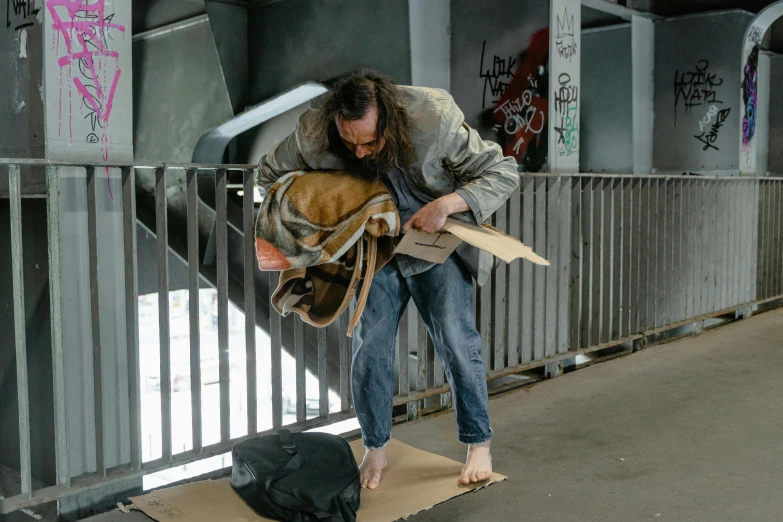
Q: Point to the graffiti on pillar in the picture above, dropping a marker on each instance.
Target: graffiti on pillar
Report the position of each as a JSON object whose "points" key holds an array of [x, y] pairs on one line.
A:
{"points": [[756, 34], [565, 41], [566, 116], [695, 87], [749, 83], [89, 68], [709, 129], [520, 113], [20, 14]]}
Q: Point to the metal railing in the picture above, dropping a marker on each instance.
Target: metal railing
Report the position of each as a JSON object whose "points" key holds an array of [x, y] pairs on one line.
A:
{"points": [[630, 256]]}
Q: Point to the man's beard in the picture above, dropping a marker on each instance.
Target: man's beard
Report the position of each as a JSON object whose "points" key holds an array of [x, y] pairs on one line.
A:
{"points": [[366, 167]]}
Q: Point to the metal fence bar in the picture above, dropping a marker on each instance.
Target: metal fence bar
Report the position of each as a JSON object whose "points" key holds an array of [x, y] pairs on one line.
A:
{"points": [[595, 264], [776, 239], [667, 299], [323, 376], [403, 349], [413, 341], [514, 298], [576, 259], [527, 187], [224, 364], [586, 238], [606, 260], [132, 313], [720, 217], [657, 270], [617, 246], [162, 233], [732, 194], [95, 320], [690, 243], [55, 302], [676, 313], [553, 255], [499, 312], [20, 335], [628, 249], [565, 260], [345, 363], [299, 356], [646, 245], [275, 343], [248, 237], [539, 310], [191, 179]]}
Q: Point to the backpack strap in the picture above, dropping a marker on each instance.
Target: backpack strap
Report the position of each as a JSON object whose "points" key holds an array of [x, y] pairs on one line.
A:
{"points": [[287, 442]]}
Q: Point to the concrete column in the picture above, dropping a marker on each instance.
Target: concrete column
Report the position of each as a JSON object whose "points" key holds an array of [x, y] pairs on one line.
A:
{"points": [[430, 22], [643, 60], [565, 22]]}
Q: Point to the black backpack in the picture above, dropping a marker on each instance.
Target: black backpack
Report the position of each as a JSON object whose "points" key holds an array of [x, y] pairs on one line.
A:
{"points": [[301, 477]]}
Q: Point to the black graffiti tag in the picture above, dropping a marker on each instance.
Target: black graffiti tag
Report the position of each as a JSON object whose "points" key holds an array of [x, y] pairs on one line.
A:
{"points": [[695, 88], [708, 139], [22, 10], [497, 78]]}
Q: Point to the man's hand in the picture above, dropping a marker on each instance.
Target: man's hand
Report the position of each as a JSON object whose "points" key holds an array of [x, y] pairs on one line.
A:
{"points": [[432, 217]]}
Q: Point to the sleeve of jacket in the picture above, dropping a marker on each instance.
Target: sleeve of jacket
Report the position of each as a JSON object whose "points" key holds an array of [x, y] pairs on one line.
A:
{"points": [[487, 178], [284, 157]]}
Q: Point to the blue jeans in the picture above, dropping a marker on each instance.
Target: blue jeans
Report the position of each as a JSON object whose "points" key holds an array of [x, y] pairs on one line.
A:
{"points": [[444, 297]]}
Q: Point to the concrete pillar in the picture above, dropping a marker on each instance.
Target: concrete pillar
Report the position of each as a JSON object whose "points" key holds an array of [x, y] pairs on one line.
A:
{"points": [[643, 60], [430, 21], [565, 22]]}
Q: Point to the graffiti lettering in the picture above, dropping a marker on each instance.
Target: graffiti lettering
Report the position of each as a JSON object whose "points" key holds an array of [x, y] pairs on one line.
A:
{"points": [[566, 110], [565, 41], [755, 34], [497, 78], [521, 112], [22, 10], [720, 118], [695, 88], [749, 97]]}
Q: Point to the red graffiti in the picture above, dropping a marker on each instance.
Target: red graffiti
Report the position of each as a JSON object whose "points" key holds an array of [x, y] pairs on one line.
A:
{"points": [[522, 109]]}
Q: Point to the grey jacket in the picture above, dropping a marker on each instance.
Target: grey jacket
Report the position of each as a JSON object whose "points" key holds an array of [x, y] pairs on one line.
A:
{"points": [[451, 157]]}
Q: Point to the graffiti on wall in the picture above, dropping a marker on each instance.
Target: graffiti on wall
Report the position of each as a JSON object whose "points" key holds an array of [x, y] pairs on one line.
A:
{"points": [[20, 14], [519, 114], [89, 68], [749, 82], [565, 40], [710, 130], [695, 87], [496, 77]]}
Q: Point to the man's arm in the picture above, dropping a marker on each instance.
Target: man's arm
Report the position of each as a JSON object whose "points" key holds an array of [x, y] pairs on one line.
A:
{"points": [[281, 159]]}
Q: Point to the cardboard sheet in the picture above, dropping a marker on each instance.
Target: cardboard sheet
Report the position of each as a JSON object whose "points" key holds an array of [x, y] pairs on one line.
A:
{"points": [[493, 241], [414, 481], [435, 248]]}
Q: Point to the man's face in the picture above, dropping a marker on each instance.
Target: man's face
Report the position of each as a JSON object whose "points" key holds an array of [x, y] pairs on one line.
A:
{"points": [[360, 137]]}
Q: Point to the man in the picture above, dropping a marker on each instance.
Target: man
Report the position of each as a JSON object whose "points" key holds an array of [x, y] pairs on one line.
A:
{"points": [[417, 142]]}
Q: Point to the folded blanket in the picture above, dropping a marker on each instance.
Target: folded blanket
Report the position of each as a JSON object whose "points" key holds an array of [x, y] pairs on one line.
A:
{"points": [[326, 231]]}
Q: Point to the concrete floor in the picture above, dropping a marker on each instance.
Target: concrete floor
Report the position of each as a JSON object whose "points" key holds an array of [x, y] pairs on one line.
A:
{"points": [[685, 431]]}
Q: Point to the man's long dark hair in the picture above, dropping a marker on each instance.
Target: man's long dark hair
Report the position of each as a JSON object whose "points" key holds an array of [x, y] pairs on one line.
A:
{"points": [[350, 98]]}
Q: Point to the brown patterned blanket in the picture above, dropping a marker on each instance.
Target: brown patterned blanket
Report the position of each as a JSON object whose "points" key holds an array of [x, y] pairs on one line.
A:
{"points": [[325, 231]]}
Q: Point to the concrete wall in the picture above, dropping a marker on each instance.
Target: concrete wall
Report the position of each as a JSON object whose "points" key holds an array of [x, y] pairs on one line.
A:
{"points": [[607, 111], [296, 41], [697, 66]]}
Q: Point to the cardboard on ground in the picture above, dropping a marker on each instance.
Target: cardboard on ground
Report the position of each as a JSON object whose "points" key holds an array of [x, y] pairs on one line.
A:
{"points": [[414, 481], [436, 248]]}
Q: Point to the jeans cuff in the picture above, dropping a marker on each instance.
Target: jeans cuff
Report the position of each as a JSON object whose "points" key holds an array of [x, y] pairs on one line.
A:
{"points": [[368, 446], [475, 438]]}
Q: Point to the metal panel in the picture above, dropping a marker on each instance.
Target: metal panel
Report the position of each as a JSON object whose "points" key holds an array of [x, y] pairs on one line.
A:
{"points": [[20, 341], [587, 289], [55, 300], [499, 288], [565, 259], [539, 310], [527, 187], [514, 282], [323, 377], [191, 179], [95, 320], [221, 236], [299, 356], [248, 237], [161, 230], [132, 313], [276, 348], [553, 191]]}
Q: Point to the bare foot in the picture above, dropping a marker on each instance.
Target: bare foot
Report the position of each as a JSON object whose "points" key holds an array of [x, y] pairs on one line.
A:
{"points": [[478, 467], [373, 464]]}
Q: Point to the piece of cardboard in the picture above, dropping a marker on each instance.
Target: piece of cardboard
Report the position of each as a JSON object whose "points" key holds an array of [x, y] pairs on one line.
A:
{"points": [[493, 241], [414, 481], [435, 248]]}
